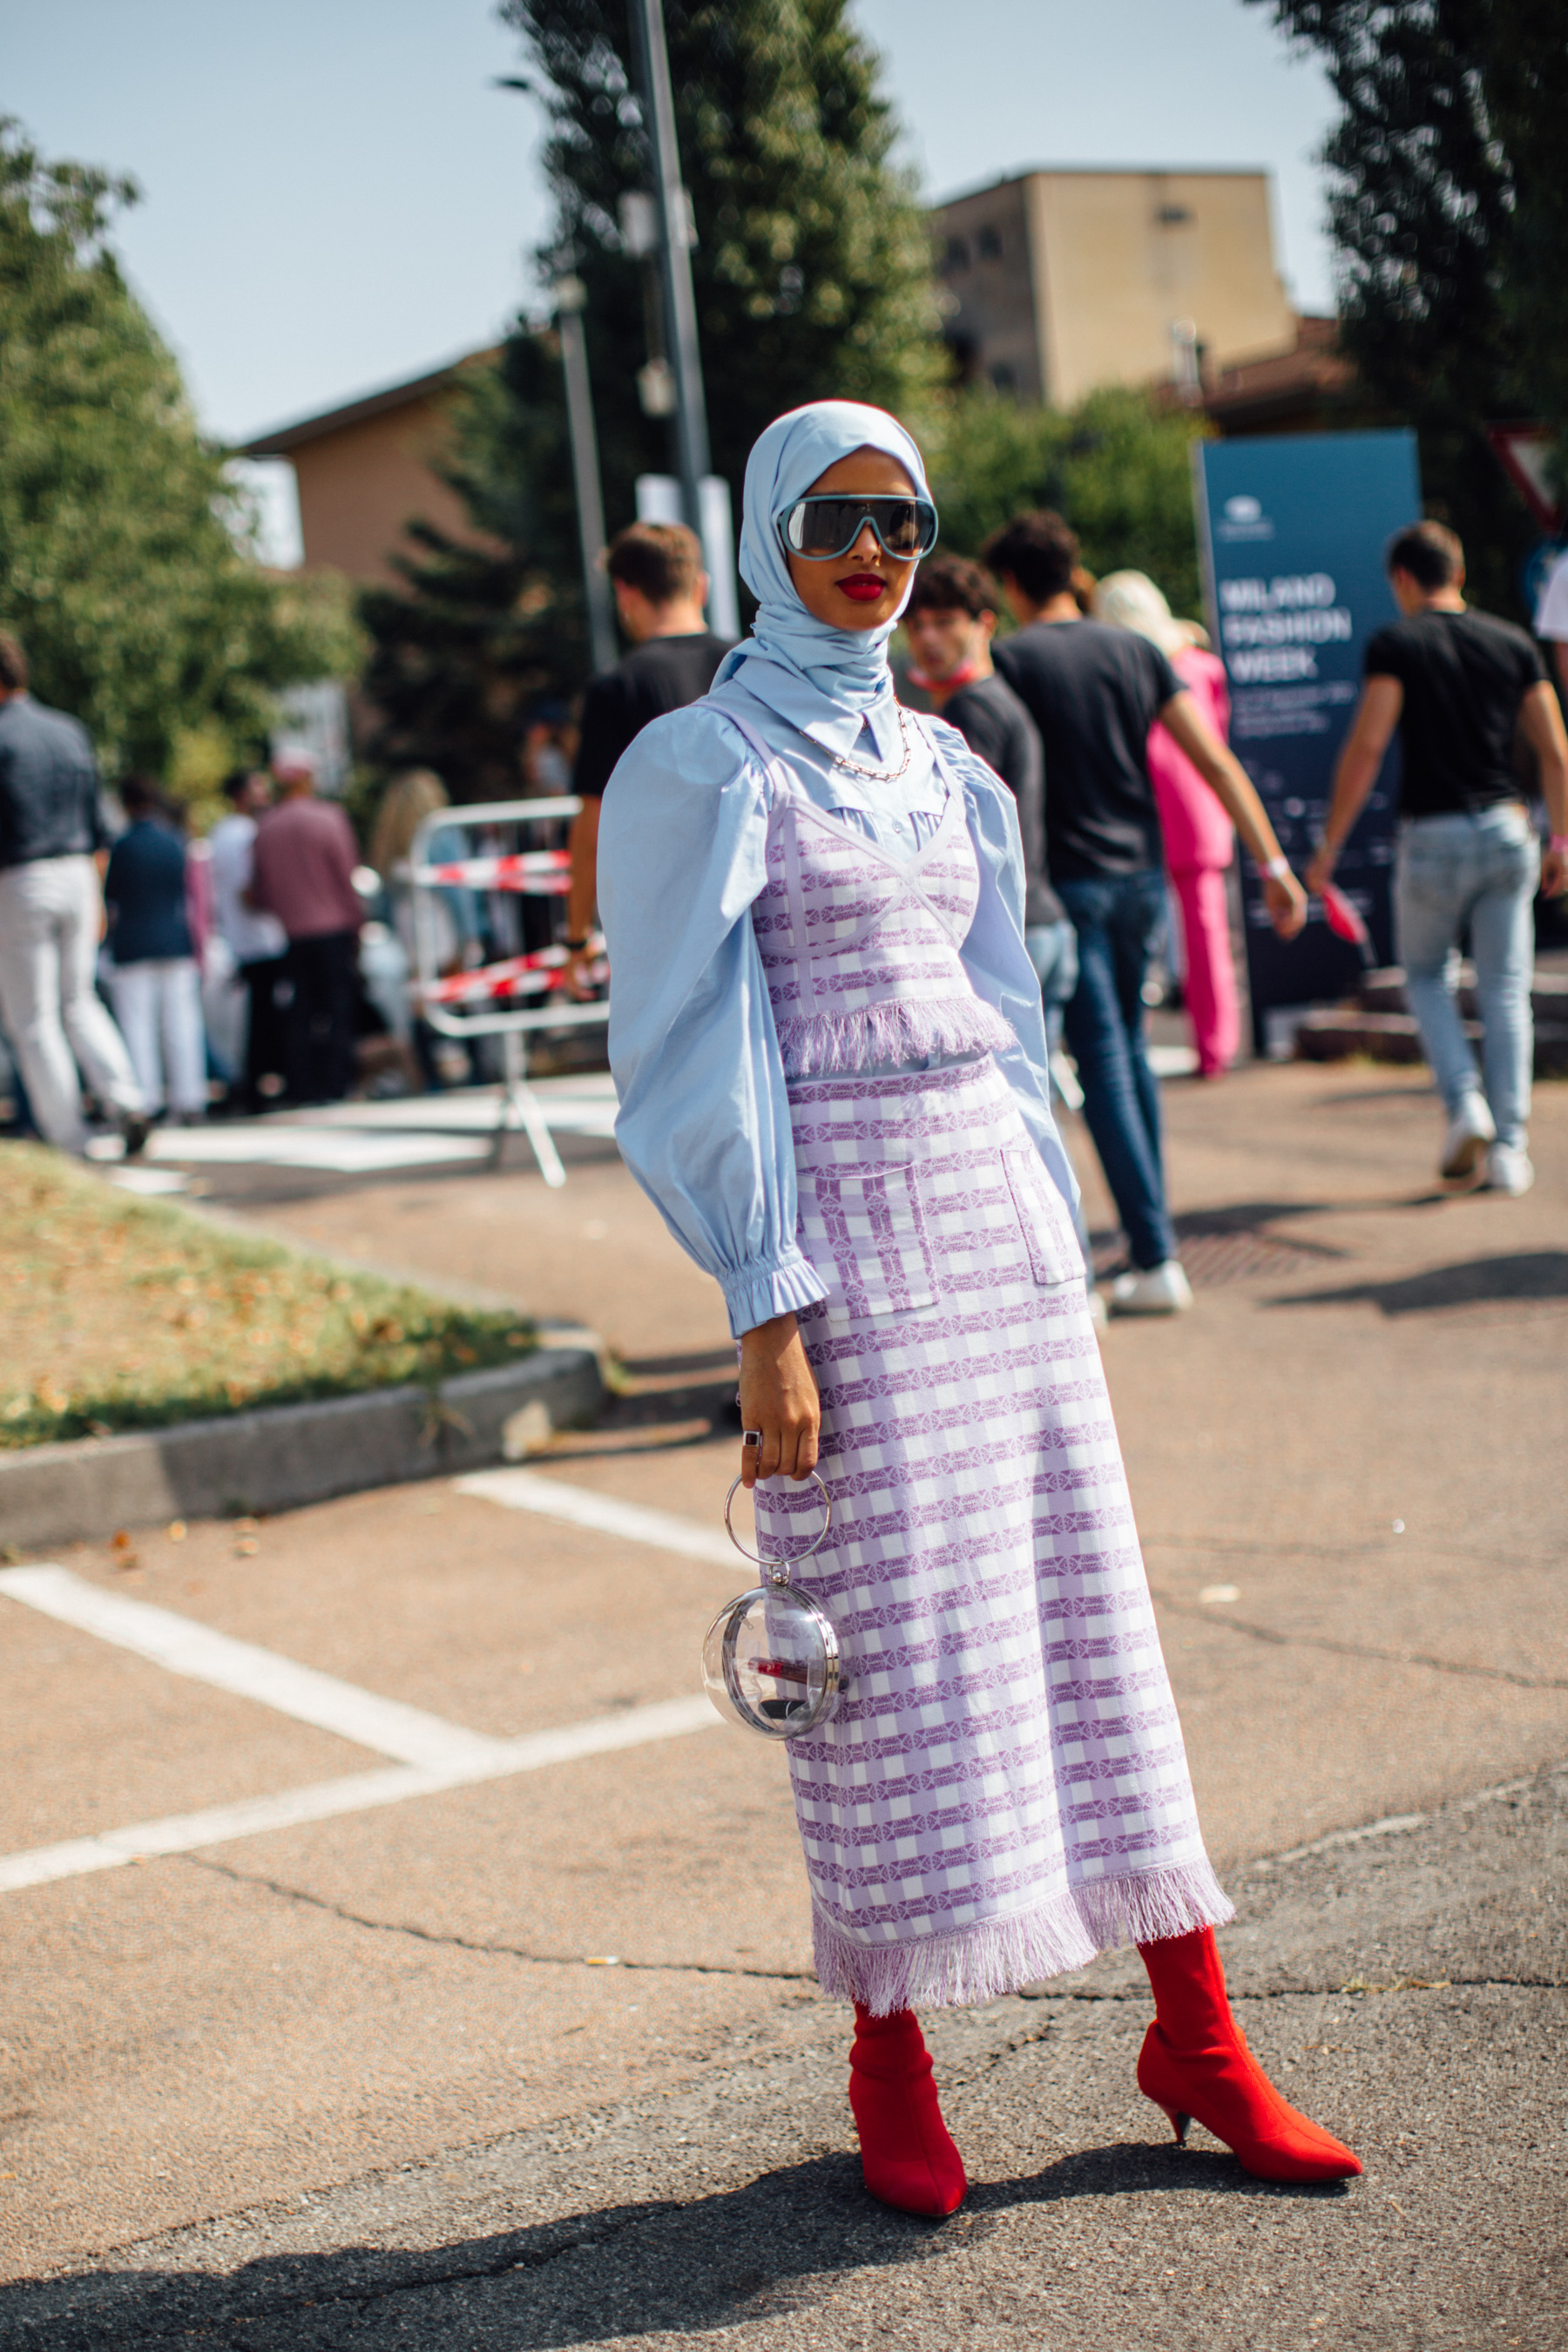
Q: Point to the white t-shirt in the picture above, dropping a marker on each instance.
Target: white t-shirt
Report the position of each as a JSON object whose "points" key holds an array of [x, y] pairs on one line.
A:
{"points": [[251, 935], [1552, 612]]}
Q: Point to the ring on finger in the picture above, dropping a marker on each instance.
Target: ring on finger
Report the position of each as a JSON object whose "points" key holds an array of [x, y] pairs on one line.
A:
{"points": [[752, 1437]]}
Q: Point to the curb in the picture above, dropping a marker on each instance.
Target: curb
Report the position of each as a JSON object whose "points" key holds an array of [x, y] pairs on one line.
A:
{"points": [[287, 1456]]}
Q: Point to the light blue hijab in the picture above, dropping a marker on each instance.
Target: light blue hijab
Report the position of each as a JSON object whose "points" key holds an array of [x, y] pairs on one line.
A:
{"points": [[828, 674]]}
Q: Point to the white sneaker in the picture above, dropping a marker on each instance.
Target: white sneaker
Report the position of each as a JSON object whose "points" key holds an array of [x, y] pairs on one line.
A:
{"points": [[1509, 1169], [1469, 1131], [1097, 1313], [1151, 1290]]}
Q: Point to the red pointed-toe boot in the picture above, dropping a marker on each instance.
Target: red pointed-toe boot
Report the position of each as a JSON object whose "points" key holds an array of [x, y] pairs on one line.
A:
{"points": [[909, 2159], [1196, 2062]]}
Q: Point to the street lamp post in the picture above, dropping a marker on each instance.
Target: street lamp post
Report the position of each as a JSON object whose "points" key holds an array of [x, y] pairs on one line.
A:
{"points": [[569, 296], [680, 303]]}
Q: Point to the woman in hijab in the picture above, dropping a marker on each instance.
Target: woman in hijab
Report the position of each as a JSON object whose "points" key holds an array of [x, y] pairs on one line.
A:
{"points": [[827, 1037]]}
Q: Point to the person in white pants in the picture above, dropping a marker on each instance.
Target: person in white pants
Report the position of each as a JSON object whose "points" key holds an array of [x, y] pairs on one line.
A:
{"points": [[51, 917], [154, 978]]}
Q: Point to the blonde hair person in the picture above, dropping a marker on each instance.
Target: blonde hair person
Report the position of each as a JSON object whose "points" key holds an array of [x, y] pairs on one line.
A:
{"points": [[407, 801], [1200, 840]]}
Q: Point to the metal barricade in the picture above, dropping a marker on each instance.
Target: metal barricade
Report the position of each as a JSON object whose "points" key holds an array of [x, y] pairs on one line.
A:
{"points": [[517, 994]]}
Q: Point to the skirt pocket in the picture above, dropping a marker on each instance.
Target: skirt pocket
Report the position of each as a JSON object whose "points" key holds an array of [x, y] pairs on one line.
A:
{"points": [[1053, 1248], [866, 1236]]}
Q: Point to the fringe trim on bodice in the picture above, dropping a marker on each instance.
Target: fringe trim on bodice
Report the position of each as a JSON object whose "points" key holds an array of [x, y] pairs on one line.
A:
{"points": [[902, 1030]]}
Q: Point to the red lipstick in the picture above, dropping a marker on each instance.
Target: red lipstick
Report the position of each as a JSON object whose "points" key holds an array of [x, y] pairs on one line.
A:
{"points": [[862, 587]]}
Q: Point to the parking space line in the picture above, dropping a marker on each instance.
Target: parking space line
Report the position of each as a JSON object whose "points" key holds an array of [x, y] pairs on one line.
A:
{"points": [[185, 1647], [526, 1490], [361, 1793]]}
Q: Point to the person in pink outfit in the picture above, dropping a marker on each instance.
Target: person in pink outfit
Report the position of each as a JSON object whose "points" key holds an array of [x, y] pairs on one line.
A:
{"points": [[1200, 840]]}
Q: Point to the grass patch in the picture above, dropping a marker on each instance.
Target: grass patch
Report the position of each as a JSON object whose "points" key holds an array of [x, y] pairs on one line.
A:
{"points": [[126, 1314]]}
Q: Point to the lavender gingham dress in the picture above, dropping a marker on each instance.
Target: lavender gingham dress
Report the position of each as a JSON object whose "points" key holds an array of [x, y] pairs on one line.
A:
{"points": [[1003, 1788]]}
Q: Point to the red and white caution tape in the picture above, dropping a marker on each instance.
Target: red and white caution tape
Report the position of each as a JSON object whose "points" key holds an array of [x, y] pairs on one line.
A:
{"points": [[530, 975], [543, 873]]}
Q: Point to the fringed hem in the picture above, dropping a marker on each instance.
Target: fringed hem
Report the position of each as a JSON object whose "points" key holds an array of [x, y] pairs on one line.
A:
{"points": [[998, 1956], [836, 1045]]}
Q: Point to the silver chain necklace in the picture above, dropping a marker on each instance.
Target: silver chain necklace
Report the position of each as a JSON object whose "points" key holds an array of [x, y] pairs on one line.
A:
{"points": [[881, 775]]}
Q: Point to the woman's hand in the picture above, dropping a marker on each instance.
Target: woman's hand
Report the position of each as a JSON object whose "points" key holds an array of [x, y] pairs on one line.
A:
{"points": [[779, 1400]]}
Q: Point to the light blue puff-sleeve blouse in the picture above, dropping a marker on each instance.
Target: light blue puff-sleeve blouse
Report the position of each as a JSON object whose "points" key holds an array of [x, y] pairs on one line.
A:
{"points": [[704, 1122]]}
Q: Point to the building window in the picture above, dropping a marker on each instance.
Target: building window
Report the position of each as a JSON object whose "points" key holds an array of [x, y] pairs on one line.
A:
{"points": [[957, 254], [1173, 216], [988, 244]]}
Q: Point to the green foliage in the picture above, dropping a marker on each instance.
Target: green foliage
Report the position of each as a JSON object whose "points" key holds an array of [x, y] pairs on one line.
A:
{"points": [[481, 630], [1117, 467], [812, 273], [812, 267], [124, 563], [1450, 209]]}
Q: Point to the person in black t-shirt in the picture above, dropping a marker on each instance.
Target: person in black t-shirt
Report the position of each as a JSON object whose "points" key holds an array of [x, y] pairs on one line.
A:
{"points": [[656, 570], [949, 620], [1094, 692], [1460, 686]]}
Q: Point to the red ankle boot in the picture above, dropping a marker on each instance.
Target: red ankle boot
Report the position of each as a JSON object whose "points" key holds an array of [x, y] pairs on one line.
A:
{"points": [[1196, 2062], [908, 2157]]}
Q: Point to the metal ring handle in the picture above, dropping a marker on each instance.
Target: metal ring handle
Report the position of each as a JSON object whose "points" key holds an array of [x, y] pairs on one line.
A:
{"points": [[773, 1567]]}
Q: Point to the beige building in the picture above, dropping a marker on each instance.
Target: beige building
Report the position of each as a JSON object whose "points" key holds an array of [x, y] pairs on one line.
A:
{"points": [[365, 469], [1059, 281]]}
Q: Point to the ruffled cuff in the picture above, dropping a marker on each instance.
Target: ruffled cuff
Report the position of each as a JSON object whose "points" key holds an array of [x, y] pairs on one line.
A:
{"points": [[755, 1293]]}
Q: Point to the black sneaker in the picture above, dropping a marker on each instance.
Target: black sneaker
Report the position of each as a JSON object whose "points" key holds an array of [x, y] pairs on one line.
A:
{"points": [[138, 1127]]}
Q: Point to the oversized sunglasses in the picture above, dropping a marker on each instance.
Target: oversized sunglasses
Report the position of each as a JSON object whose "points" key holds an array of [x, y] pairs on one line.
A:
{"points": [[822, 527]]}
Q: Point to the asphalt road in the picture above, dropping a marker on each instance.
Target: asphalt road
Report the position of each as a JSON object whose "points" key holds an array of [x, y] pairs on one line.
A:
{"points": [[538, 2062], [1408, 1987]]}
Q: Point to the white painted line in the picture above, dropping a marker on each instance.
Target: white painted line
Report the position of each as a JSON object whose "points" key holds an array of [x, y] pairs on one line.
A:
{"points": [[267, 1143], [184, 1647], [583, 1105], [362, 1792], [526, 1490]]}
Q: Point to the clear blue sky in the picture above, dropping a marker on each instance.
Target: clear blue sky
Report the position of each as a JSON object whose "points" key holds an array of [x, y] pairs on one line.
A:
{"points": [[334, 197]]}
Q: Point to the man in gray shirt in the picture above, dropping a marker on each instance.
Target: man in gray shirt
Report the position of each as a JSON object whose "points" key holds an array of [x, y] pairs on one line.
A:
{"points": [[51, 917]]}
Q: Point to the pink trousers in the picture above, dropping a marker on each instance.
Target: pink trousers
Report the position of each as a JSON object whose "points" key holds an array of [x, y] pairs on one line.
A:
{"points": [[1213, 1005]]}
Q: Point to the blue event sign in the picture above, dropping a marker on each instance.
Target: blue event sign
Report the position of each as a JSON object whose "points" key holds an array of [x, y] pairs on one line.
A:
{"points": [[1293, 532]]}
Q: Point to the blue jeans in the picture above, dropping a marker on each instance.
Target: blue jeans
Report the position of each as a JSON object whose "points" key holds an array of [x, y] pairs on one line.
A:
{"points": [[1052, 949], [1484, 871], [1119, 919]]}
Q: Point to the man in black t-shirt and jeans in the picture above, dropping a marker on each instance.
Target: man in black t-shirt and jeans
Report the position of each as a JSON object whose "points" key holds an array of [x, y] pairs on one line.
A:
{"points": [[950, 621], [1460, 686], [655, 571], [1094, 692]]}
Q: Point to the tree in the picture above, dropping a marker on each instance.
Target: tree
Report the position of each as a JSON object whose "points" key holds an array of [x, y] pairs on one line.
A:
{"points": [[812, 272], [124, 562], [812, 267], [1449, 209], [1118, 468]]}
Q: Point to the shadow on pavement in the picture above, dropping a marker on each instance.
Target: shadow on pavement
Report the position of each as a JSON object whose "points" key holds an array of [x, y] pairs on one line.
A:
{"points": [[1527, 1274], [666, 2266]]}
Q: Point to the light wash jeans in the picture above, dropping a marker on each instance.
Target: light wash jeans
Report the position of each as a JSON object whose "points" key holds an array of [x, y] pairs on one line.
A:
{"points": [[1484, 871], [1052, 949], [158, 1004], [51, 913]]}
